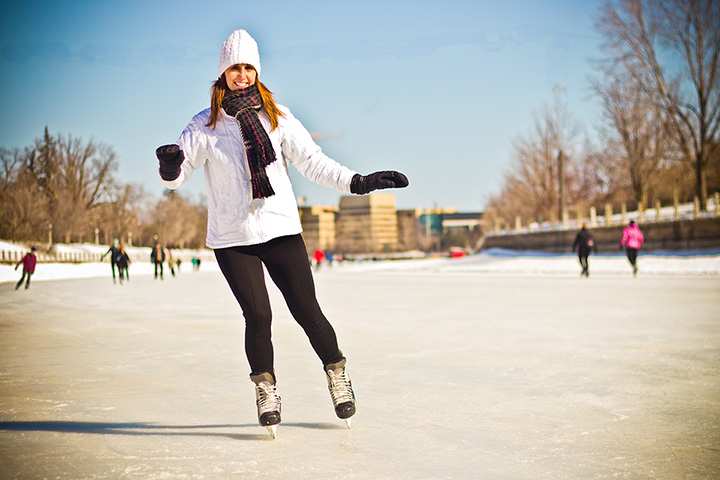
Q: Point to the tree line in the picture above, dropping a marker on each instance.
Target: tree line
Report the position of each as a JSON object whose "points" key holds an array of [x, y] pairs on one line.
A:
{"points": [[67, 189], [659, 136]]}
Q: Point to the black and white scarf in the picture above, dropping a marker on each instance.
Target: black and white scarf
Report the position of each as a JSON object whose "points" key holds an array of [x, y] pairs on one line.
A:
{"points": [[244, 105]]}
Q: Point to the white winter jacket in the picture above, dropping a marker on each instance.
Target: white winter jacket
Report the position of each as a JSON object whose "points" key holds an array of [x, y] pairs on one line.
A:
{"points": [[234, 217]]}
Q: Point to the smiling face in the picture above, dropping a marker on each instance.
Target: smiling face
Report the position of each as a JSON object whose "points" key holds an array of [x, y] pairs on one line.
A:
{"points": [[240, 76]]}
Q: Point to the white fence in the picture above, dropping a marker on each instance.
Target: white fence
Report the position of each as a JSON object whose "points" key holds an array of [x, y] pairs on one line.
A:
{"points": [[11, 252], [685, 211]]}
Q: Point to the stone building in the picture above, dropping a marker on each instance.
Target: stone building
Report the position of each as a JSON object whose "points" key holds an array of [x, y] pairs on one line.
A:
{"points": [[441, 228], [408, 229], [318, 223], [367, 223]]}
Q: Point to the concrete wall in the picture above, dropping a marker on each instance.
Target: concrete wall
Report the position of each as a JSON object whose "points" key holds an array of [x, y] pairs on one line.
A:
{"points": [[677, 235]]}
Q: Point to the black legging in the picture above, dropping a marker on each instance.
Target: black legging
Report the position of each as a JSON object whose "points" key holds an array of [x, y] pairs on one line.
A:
{"points": [[583, 258], [632, 254], [287, 263], [159, 265], [124, 273], [27, 282]]}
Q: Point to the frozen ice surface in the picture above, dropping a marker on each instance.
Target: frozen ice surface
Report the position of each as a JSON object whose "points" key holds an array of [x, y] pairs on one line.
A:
{"points": [[508, 263], [460, 372]]}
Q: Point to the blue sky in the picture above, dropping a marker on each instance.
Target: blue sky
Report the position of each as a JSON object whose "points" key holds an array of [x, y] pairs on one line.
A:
{"points": [[437, 90]]}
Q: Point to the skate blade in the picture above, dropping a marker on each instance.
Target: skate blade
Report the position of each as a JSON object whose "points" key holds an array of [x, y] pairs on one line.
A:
{"points": [[348, 423], [272, 429]]}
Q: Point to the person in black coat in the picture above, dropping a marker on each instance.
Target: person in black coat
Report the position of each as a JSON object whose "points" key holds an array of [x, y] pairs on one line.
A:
{"points": [[584, 244], [122, 260], [113, 251]]}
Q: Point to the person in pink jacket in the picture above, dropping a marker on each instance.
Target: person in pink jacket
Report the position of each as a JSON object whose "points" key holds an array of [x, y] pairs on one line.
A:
{"points": [[632, 240]]}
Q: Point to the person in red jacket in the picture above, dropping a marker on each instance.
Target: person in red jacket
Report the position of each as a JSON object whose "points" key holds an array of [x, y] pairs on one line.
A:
{"points": [[318, 256], [28, 262]]}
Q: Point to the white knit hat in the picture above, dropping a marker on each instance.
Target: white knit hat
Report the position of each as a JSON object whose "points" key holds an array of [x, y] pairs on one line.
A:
{"points": [[239, 47]]}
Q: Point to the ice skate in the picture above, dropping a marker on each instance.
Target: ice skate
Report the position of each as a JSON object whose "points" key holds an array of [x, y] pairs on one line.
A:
{"points": [[341, 391], [268, 402]]}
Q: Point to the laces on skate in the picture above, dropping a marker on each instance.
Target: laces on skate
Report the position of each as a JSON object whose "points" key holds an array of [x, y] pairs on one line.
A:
{"points": [[340, 387], [267, 398]]}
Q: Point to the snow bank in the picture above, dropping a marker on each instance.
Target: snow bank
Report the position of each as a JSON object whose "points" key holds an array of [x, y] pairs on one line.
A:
{"points": [[541, 263], [61, 271], [13, 247], [497, 262]]}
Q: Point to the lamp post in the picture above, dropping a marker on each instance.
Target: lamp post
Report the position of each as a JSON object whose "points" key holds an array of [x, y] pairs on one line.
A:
{"points": [[561, 185], [427, 230]]}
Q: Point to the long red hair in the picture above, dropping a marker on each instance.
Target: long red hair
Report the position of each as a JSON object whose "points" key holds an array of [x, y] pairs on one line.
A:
{"points": [[219, 87]]}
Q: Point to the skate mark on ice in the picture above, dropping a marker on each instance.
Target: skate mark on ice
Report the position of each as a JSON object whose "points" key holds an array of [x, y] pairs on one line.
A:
{"points": [[149, 428], [315, 426], [130, 429]]}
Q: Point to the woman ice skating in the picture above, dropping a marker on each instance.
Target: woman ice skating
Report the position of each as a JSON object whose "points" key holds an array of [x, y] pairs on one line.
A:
{"points": [[28, 261], [113, 251], [632, 240], [244, 142], [122, 260], [584, 243]]}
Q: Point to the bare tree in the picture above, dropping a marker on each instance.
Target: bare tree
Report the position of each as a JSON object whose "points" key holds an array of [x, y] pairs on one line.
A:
{"points": [[646, 39], [543, 166], [69, 183], [74, 177], [178, 221], [121, 216], [22, 212], [638, 143]]}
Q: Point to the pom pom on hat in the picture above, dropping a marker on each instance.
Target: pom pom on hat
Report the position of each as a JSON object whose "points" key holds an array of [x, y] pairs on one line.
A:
{"points": [[239, 47]]}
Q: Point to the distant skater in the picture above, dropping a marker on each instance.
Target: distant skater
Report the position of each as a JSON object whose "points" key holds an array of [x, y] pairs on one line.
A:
{"points": [[113, 250], [584, 244], [29, 260], [170, 261], [245, 142], [632, 240], [157, 258], [195, 263], [123, 263], [318, 256]]}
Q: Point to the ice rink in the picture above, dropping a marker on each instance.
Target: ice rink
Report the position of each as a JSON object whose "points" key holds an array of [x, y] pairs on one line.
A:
{"points": [[460, 373]]}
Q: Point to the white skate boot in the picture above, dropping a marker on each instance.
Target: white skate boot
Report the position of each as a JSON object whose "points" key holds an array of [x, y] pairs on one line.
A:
{"points": [[341, 391], [268, 402]]}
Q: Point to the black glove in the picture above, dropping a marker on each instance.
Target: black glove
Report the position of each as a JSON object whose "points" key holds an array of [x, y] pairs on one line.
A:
{"points": [[363, 184], [171, 157]]}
